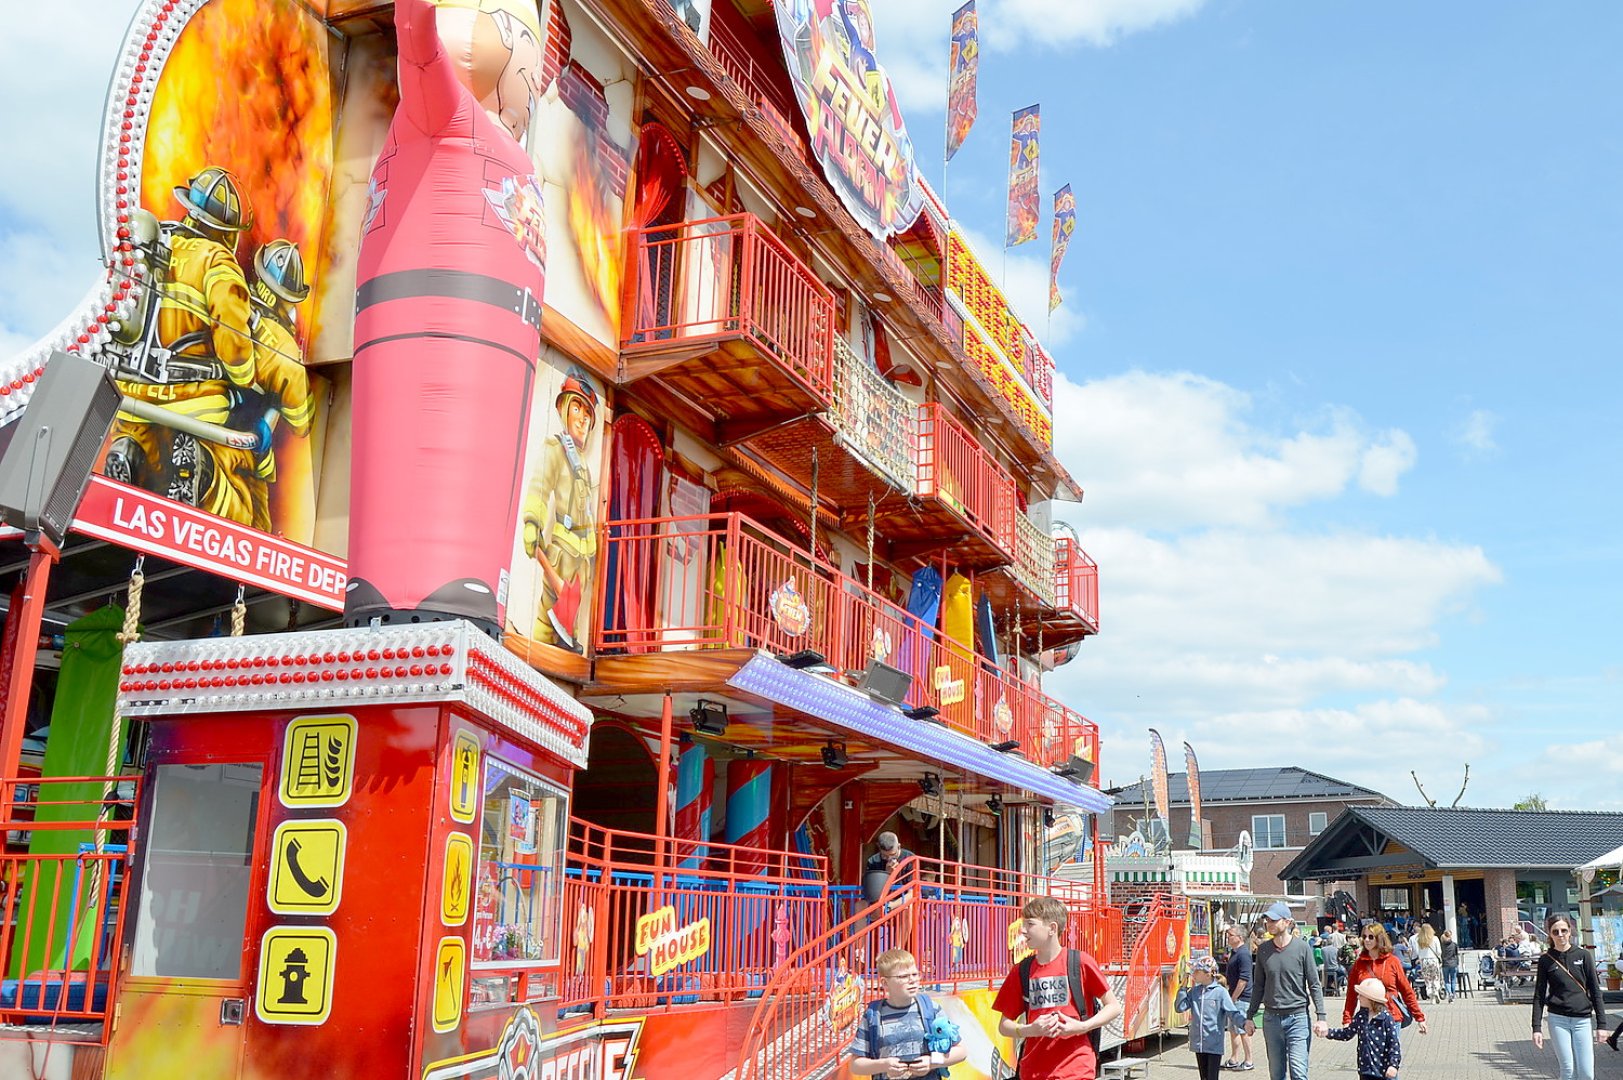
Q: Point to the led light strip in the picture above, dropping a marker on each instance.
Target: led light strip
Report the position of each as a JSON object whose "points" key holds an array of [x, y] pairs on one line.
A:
{"points": [[429, 662]]}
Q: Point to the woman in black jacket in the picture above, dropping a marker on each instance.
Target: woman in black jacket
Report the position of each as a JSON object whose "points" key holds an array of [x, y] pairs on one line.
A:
{"points": [[1568, 987], [1451, 963]]}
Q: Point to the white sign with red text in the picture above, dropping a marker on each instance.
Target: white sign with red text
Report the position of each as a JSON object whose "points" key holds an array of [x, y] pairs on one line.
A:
{"points": [[154, 525]]}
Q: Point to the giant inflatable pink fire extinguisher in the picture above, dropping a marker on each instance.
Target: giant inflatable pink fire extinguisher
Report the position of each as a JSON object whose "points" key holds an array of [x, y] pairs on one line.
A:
{"points": [[448, 318]]}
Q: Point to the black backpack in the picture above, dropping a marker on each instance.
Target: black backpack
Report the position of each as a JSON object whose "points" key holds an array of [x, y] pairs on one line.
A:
{"points": [[1085, 1005]]}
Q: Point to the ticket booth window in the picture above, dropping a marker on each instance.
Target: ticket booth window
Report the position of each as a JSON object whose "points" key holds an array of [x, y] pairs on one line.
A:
{"points": [[521, 855], [194, 890]]}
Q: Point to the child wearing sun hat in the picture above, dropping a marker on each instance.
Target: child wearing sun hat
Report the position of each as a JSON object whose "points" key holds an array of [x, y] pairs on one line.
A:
{"points": [[1380, 1050]]}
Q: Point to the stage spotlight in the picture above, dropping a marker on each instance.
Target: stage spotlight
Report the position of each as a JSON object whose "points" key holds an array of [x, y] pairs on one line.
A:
{"points": [[930, 783], [834, 755], [994, 806], [1005, 747], [924, 712], [1077, 768], [1048, 817], [709, 717], [884, 683]]}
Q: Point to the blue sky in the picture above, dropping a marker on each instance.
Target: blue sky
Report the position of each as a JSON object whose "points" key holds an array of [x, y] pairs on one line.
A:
{"points": [[1338, 357]]}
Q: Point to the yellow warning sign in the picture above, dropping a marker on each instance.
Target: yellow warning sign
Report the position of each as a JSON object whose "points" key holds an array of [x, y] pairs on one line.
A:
{"points": [[318, 761], [307, 876], [450, 969], [458, 879], [295, 975], [465, 755]]}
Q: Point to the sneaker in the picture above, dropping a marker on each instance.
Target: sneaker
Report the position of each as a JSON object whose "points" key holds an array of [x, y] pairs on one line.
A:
{"points": [[1246, 1066]]}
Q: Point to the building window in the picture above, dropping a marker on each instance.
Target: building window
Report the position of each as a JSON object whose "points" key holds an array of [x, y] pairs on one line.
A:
{"points": [[1268, 830], [1316, 822]]}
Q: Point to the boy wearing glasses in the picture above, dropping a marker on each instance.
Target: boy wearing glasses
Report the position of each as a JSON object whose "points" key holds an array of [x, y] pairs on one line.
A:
{"points": [[892, 1042]]}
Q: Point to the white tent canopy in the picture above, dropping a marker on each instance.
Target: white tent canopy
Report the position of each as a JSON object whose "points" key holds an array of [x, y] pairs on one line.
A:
{"points": [[1609, 861]]}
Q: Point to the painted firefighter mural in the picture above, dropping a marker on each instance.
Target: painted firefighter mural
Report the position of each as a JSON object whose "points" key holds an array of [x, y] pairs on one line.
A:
{"points": [[558, 526], [210, 362], [448, 316]]}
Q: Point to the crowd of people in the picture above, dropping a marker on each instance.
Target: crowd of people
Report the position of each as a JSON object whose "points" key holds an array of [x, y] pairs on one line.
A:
{"points": [[1283, 974]]}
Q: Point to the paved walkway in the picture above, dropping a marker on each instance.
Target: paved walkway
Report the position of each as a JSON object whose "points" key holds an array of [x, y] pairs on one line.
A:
{"points": [[1473, 1037]]}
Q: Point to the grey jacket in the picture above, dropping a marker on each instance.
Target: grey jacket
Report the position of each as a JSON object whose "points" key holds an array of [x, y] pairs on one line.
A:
{"points": [[1283, 979]]}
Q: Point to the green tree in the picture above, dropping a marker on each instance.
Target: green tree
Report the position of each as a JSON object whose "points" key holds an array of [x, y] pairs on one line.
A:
{"points": [[1534, 801]]}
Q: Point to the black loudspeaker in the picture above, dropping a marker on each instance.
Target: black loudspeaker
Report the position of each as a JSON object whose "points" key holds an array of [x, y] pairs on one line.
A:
{"points": [[52, 449], [885, 683], [1079, 769]]}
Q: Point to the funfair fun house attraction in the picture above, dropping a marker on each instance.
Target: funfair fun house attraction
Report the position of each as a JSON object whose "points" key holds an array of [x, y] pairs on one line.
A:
{"points": [[537, 489]]}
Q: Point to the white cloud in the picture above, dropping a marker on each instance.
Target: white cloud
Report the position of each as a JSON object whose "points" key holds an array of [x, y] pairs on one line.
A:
{"points": [[47, 188], [1475, 433], [1168, 451], [1388, 457], [1226, 620]]}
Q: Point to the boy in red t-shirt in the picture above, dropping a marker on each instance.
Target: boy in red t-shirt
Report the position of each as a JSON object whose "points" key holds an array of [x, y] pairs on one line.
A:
{"points": [[1056, 1044]]}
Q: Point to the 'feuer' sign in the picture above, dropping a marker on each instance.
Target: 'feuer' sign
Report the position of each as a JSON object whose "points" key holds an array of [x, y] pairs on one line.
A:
{"points": [[156, 526]]}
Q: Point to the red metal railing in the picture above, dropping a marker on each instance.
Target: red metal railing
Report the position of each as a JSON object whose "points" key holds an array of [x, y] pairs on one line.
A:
{"points": [[961, 924], [953, 467], [730, 277], [753, 76], [1149, 931], [724, 581], [63, 912], [1076, 581], [750, 902]]}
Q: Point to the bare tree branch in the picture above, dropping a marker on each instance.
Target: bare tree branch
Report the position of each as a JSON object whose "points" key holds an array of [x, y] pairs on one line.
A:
{"points": [[1467, 780], [1431, 802]]}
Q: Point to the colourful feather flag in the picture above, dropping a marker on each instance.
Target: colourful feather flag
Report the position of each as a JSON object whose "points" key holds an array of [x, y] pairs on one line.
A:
{"points": [[1023, 195]]}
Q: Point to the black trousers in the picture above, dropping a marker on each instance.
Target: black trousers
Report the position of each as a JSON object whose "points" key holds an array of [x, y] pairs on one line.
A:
{"points": [[1210, 1066]]}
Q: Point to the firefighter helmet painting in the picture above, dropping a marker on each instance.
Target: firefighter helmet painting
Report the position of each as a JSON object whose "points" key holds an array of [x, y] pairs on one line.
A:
{"points": [[557, 524], [210, 363]]}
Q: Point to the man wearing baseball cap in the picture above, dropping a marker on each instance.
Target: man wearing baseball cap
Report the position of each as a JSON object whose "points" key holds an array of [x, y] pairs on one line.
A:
{"points": [[1286, 985]]}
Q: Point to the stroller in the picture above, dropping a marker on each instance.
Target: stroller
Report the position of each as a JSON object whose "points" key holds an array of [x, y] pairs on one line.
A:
{"points": [[1485, 970]]}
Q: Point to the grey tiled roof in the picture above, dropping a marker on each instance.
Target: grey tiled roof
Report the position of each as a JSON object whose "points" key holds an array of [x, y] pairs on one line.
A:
{"points": [[1470, 837], [1250, 785]]}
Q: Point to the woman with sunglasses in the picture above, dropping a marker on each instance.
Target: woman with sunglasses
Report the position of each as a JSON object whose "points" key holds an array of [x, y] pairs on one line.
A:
{"points": [[1375, 961], [1567, 987]]}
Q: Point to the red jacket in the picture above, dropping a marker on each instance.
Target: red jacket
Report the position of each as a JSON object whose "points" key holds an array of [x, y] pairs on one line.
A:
{"points": [[1388, 969]]}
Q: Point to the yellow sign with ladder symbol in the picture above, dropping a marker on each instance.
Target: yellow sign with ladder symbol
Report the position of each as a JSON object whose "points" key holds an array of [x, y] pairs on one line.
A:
{"points": [[318, 761], [465, 754], [307, 874], [296, 966], [450, 977], [458, 879]]}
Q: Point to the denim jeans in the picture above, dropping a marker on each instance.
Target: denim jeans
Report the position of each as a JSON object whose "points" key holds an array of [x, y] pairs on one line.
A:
{"points": [[1449, 975], [1574, 1039], [1286, 1035]]}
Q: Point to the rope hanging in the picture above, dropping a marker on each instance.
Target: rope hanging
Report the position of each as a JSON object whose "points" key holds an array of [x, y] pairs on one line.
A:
{"points": [[239, 614], [132, 610], [130, 634], [870, 542], [814, 505]]}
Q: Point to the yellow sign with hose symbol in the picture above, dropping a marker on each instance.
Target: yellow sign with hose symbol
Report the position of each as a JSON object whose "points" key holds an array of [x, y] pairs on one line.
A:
{"points": [[318, 761]]}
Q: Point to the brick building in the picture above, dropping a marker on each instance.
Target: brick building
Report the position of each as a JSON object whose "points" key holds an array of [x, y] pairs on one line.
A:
{"points": [[1503, 866], [1282, 809]]}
